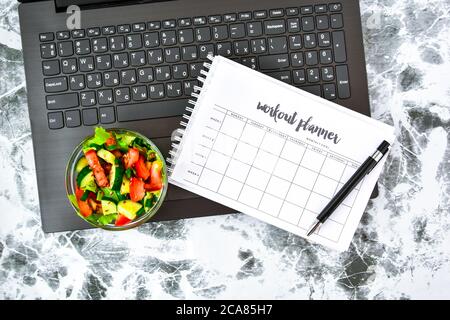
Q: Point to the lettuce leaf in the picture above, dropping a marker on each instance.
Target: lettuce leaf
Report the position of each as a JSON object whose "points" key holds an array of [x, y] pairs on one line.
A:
{"points": [[107, 219], [100, 137], [73, 200]]}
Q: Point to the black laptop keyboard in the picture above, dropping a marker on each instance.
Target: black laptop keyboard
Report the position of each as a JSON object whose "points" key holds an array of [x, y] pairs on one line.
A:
{"points": [[148, 70]]}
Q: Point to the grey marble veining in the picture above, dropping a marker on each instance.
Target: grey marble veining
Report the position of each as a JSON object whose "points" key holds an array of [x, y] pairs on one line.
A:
{"points": [[401, 248]]}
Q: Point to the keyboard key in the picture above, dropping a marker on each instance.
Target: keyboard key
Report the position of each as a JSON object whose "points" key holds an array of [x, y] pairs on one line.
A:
{"points": [[154, 25], [48, 50], [185, 36], [50, 68], [284, 76], [324, 39], [237, 30], [335, 7], [48, 36], [308, 23], [260, 14], [306, 10], [151, 110], [343, 86], [162, 73], [76, 82], [203, 34], [94, 80], [57, 84], [293, 25], [124, 28], [93, 32], [258, 46], [105, 96], [145, 75], [224, 49], [205, 50], [299, 76], [169, 24], [107, 115], [274, 27], [62, 101], [230, 17], [139, 93], [327, 74], [241, 48], [329, 91], [151, 39], [156, 91], [254, 29], [309, 40], [189, 53], [336, 21], [134, 41], [73, 118], [188, 87], [274, 61], [194, 69], [172, 54], [69, 65], [83, 47], [312, 89], [215, 19], [155, 56], [111, 79], [313, 75], [311, 58], [184, 22], [79, 33], [117, 43], [320, 8], [168, 38], [55, 120], [220, 32], [62, 35], [275, 13], [277, 45], [86, 64], [65, 49], [297, 59], [180, 71], [100, 45], [174, 89], [244, 16], [137, 27], [108, 30], [103, 62], [137, 58], [122, 95], [326, 56], [291, 11], [249, 62], [295, 42], [340, 54], [198, 21], [322, 22], [88, 98], [128, 77], [90, 117]]}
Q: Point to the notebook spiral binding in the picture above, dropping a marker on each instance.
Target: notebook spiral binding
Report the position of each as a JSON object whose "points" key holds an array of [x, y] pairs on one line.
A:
{"points": [[178, 134]]}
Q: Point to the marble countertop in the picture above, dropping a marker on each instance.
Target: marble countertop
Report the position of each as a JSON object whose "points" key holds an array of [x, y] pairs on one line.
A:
{"points": [[400, 250]]}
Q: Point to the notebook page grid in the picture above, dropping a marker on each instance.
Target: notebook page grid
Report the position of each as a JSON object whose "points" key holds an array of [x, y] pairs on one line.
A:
{"points": [[267, 170]]}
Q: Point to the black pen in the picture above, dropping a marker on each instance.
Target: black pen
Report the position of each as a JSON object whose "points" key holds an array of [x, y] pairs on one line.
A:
{"points": [[362, 171]]}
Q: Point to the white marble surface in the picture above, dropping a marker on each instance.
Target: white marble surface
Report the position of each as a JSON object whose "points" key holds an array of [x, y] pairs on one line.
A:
{"points": [[401, 249]]}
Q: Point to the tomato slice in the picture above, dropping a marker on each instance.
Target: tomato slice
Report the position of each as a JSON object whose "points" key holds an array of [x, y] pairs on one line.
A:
{"points": [[131, 157], [141, 168], [137, 190], [94, 164], [111, 141], [85, 209], [121, 220], [155, 177]]}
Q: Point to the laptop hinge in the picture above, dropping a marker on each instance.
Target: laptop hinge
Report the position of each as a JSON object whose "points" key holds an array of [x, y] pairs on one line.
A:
{"points": [[61, 5]]}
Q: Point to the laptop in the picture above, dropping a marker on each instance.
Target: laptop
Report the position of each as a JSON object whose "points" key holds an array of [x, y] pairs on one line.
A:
{"points": [[133, 64]]}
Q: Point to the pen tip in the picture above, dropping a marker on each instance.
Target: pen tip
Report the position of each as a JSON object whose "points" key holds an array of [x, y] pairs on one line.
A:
{"points": [[313, 228]]}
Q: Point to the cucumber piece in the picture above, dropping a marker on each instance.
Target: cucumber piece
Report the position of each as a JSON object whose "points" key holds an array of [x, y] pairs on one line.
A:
{"points": [[100, 195], [149, 200], [88, 183], [107, 156], [85, 195], [129, 208], [140, 212], [108, 207], [125, 187], [81, 164], [116, 177], [83, 173]]}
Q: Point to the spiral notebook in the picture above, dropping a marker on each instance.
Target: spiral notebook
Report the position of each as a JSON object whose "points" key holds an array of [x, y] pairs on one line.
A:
{"points": [[274, 152]]}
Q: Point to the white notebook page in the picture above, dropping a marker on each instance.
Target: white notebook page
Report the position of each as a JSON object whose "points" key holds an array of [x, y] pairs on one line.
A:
{"points": [[269, 162]]}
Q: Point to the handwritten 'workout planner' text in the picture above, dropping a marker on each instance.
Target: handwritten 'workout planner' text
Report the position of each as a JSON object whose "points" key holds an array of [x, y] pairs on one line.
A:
{"points": [[275, 152]]}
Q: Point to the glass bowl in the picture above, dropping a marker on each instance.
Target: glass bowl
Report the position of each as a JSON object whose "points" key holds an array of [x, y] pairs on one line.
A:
{"points": [[71, 174]]}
